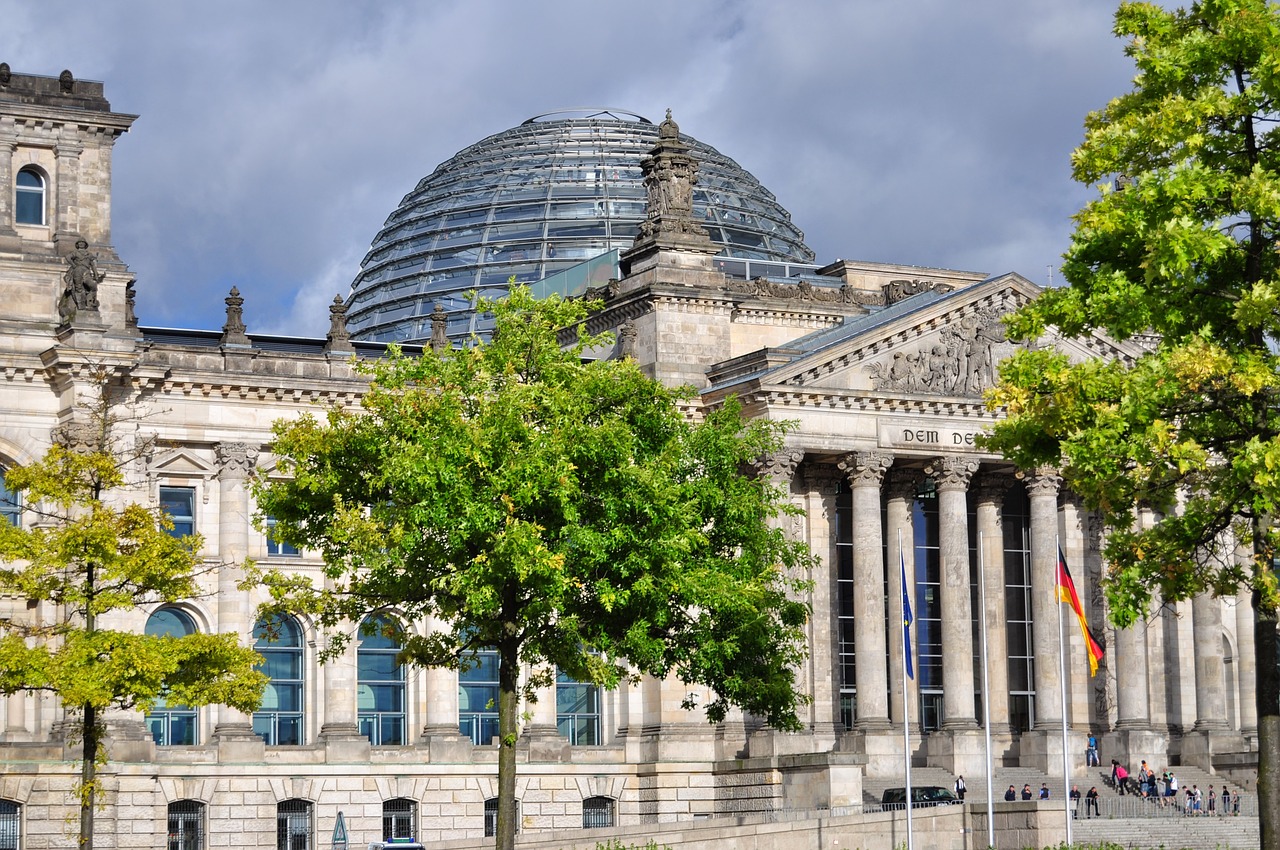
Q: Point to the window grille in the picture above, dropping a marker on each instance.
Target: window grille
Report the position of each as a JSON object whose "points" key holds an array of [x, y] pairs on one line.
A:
{"points": [[597, 812], [10, 824], [399, 819], [186, 825], [293, 825]]}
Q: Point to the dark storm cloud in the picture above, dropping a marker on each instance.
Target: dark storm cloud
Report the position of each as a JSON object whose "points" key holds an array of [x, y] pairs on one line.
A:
{"points": [[274, 138]]}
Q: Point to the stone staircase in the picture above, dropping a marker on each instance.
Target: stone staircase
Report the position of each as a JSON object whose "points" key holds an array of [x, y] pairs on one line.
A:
{"points": [[1201, 833]]}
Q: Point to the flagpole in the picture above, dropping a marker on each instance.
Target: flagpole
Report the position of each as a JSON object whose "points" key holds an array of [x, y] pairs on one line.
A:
{"points": [[986, 694], [906, 720], [1062, 682]]}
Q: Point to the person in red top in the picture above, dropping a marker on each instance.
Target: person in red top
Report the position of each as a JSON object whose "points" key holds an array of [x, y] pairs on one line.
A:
{"points": [[1119, 776]]}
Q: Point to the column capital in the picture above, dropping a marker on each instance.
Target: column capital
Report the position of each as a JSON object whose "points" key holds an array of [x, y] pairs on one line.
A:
{"points": [[1044, 481], [235, 460], [865, 469], [990, 487], [951, 472], [779, 465], [903, 482], [823, 480]]}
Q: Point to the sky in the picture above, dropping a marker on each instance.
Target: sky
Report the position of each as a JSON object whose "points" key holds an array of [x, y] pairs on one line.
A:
{"points": [[274, 138]]}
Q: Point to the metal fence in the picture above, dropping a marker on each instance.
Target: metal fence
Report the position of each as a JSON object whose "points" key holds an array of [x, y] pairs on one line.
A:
{"points": [[1111, 805]]}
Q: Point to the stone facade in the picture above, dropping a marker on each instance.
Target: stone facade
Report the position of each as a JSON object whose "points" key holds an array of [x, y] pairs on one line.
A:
{"points": [[880, 366]]}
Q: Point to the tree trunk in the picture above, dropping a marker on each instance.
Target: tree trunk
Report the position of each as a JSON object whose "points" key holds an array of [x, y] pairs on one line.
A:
{"points": [[88, 774], [508, 708], [1268, 675]]}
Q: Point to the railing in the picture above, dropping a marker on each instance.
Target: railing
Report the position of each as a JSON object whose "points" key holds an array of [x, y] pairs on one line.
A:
{"points": [[1111, 805]]}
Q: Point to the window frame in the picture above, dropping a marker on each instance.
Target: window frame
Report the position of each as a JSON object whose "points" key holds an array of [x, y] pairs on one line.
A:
{"points": [[40, 193], [277, 548], [473, 723], [577, 725], [267, 648], [10, 824], [599, 812], [286, 813], [393, 815], [161, 720], [10, 503], [180, 522], [371, 721]]}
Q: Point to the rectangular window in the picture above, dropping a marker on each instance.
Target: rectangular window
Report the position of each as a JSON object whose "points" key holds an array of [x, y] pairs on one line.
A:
{"points": [[180, 504], [278, 548], [577, 711], [10, 505], [844, 607]]}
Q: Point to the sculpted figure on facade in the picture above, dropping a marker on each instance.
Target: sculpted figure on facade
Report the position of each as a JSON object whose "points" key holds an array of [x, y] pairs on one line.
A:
{"points": [[81, 280], [962, 361]]}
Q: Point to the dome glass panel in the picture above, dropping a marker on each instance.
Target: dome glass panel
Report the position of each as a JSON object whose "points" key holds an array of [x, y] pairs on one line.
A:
{"points": [[533, 201]]}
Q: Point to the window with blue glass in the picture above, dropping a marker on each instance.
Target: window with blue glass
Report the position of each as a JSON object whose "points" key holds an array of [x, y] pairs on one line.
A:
{"points": [[179, 503], [279, 719], [171, 725], [577, 710], [10, 825], [1020, 631], [478, 698], [30, 201], [10, 504], [928, 607], [278, 548], [380, 682], [844, 606]]}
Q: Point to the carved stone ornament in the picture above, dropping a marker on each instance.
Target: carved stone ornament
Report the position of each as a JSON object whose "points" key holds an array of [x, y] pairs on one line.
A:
{"points": [[235, 460], [66, 82], [130, 304], [865, 469], [338, 338], [5, 74], [439, 328], [897, 290], [779, 465], [80, 283], [960, 361], [1045, 481], [991, 487], [627, 340], [803, 291], [233, 332], [903, 482], [953, 473], [670, 173], [80, 437]]}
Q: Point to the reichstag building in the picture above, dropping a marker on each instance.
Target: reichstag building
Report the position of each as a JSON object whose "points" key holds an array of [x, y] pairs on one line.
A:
{"points": [[706, 281]]}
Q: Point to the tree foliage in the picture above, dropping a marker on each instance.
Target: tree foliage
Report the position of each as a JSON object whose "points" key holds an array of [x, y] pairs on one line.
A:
{"points": [[1180, 250], [561, 512], [81, 560]]}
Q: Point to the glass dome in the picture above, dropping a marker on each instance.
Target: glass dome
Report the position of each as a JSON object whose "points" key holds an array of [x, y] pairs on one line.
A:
{"points": [[532, 201]]}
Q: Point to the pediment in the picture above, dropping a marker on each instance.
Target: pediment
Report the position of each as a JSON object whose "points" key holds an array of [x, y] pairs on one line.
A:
{"points": [[948, 346], [181, 462]]}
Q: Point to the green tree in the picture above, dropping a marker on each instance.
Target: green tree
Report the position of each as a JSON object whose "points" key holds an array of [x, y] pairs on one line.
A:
{"points": [[82, 558], [560, 512], [1181, 247]]}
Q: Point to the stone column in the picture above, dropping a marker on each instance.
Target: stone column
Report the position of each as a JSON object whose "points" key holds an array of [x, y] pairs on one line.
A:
{"points": [[15, 718], [952, 475], [900, 491], [235, 614], [1042, 488], [990, 490], [8, 144], [1211, 691], [865, 471], [822, 483], [1246, 663], [1073, 547], [1133, 694]]}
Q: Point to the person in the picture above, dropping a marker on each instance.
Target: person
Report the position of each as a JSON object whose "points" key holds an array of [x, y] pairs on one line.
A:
{"points": [[1091, 752], [1010, 795], [1226, 801], [1196, 798], [1235, 804], [1187, 804], [1091, 802], [1044, 791], [1173, 787], [1075, 802], [1119, 776], [1212, 809], [960, 789], [1026, 791]]}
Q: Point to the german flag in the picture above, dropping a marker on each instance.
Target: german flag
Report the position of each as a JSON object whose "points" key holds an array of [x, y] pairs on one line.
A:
{"points": [[1067, 593]]}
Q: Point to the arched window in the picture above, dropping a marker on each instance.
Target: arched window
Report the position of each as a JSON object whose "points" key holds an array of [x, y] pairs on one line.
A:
{"points": [[10, 503], [10, 825], [171, 725], [577, 710], [491, 817], [279, 719], [29, 207], [380, 682], [399, 819], [186, 825], [597, 812], [293, 825], [478, 698]]}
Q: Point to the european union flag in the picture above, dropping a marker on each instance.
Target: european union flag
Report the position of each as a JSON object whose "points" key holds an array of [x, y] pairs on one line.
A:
{"points": [[906, 618]]}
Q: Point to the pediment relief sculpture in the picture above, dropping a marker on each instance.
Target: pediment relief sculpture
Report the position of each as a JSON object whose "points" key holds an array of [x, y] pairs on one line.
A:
{"points": [[803, 290], [959, 361]]}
